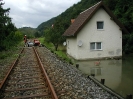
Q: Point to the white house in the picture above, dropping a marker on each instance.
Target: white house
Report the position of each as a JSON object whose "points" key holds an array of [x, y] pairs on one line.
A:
{"points": [[95, 34]]}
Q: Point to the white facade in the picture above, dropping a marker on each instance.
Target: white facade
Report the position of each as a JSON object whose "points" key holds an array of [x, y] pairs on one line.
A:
{"points": [[110, 37]]}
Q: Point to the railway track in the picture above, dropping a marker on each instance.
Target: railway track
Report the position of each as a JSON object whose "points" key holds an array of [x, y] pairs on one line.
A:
{"points": [[27, 79]]}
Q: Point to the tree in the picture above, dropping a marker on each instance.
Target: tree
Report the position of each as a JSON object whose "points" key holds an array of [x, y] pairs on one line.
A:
{"points": [[54, 34], [111, 4], [124, 12], [8, 35], [4, 20], [37, 34]]}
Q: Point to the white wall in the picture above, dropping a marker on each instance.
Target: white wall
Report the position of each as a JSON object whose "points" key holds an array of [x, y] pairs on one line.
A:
{"points": [[110, 36], [72, 47]]}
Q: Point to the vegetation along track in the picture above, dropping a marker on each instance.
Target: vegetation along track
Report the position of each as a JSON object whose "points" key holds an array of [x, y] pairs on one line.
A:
{"points": [[27, 79]]}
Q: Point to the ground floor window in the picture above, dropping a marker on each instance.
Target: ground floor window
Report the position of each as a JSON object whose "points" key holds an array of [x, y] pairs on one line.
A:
{"points": [[96, 46]]}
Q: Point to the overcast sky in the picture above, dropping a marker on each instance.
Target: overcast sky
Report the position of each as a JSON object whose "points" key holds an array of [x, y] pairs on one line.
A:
{"points": [[32, 13]]}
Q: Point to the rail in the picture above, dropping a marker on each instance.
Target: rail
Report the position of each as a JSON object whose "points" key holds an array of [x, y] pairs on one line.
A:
{"points": [[51, 91], [8, 73], [46, 76]]}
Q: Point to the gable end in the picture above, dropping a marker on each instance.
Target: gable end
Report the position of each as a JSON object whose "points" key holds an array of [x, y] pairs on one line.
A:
{"points": [[86, 15]]}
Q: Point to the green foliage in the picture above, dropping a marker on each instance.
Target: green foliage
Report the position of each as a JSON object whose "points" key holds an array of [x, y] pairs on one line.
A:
{"points": [[49, 45], [43, 26], [12, 39], [37, 34], [111, 4], [124, 12], [41, 39], [127, 43], [61, 50], [63, 56], [4, 20], [54, 34], [18, 36], [9, 36], [28, 31], [12, 53]]}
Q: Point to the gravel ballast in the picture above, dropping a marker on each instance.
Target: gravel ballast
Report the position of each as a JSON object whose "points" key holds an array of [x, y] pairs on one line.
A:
{"points": [[69, 82]]}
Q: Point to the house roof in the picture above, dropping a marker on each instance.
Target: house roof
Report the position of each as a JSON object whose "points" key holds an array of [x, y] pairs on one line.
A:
{"points": [[86, 15]]}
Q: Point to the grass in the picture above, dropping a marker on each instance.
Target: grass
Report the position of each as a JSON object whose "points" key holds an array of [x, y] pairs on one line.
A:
{"points": [[63, 56], [12, 52], [7, 57], [48, 45], [61, 53]]}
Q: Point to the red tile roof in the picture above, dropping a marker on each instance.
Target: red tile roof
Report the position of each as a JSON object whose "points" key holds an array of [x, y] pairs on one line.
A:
{"points": [[86, 15]]}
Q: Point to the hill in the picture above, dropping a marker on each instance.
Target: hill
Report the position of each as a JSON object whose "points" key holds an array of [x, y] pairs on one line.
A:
{"points": [[67, 15], [46, 24], [30, 32], [121, 8]]}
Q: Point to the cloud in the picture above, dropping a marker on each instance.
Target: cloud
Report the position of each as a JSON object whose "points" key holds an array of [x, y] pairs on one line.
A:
{"points": [[31, 13]]}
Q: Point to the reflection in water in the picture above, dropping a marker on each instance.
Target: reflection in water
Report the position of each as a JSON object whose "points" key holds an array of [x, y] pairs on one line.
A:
{"points": [[114, 73]]}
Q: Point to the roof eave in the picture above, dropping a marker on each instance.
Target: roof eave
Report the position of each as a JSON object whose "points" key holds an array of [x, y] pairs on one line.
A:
{"points": [[68, 35]]}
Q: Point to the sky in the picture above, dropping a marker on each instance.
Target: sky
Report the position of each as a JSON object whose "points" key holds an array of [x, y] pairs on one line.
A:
{"points": [[31, 13]]}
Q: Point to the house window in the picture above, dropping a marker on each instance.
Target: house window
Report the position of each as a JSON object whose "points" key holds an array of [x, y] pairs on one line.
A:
{"points": [[92, 45], [100, 24], [96, 46]]}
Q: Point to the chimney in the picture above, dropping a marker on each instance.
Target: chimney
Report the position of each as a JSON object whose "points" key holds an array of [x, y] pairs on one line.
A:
{"points": [[72, 20]]}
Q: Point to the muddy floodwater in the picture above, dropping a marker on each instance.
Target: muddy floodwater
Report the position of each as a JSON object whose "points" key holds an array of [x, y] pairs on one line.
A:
{"points": [[118, 74]]}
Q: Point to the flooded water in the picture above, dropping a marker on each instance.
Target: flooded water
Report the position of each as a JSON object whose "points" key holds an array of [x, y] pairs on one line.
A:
{"points": [[118, 74]]}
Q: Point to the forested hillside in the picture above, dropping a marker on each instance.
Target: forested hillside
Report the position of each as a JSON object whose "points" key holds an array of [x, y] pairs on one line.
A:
{"points": [[45, 25], [123, 10]]}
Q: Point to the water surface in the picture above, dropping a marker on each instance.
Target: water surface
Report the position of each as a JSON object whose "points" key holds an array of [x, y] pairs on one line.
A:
{"points": [[118, 74]]}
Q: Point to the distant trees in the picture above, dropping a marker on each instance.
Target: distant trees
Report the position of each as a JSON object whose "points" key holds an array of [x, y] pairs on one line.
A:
{"points": [[8, 32], [45, 25], [37, 34], [28, 31]]}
